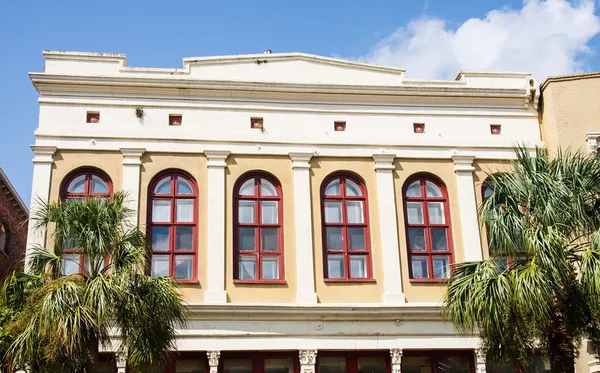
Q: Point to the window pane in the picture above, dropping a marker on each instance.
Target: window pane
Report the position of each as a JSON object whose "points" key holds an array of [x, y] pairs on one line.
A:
{"points": [[436, 213], [371, 365], [414, 212], [333, 212], [352, 189], [279, 366], [487, 191], [269, 212], [98, 185], [160, 238], [432, 190], [184, 238], [270, 267], [105, 367], [183, 186], [163, 186], [414, 190], [501, 262], [453, 364], [335, 266], [190, 366], [355, 212], [270, 239], [185, 210], [267, 189], [358, 266], [247, 239], [77, 185], [440, 266], [70, 264], [333, 188], [247, 189], [161, 211], [160, 265], [237, 366], [439, 239], [357, 238], [332, 364], [334, 238], [246, 212], [183, 267], [416, 239], [416, 364], [419, 267], [247, 267]]}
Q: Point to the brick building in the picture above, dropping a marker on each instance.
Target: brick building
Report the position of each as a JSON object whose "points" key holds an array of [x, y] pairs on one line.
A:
{"points": [[13, 227]]}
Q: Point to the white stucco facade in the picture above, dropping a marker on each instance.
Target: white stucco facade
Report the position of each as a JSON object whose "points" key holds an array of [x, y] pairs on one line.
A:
{"points": [[299, 96]]}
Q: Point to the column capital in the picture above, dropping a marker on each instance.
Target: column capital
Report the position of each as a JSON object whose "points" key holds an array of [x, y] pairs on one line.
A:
{"points": [[396, 355], [463, 163], [384, 161], [43, 154], [307, 357], [480, 364], [300, 160], [213, 358], [592, 142], [216, 158], [132, 156]]}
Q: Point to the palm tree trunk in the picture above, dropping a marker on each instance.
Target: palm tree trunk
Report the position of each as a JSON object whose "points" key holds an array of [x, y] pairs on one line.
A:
{"points": [[561, 347]]}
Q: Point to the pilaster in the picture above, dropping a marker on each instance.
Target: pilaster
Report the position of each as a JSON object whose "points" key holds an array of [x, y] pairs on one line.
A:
{"points": [[480, 363], [308, 359], [592, 142], [396, 360], [594, 364], [303, 224], [213, 360], [463, 167], [40, 194], [388, 226], [215, 290], [132, 161]]}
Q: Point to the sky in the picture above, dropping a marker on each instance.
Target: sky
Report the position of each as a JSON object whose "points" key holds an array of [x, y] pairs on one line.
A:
{"points": [[431, 39]]}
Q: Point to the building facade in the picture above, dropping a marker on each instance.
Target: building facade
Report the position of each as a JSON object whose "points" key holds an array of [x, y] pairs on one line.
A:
{"points": [[13, 228], [309, 207]]}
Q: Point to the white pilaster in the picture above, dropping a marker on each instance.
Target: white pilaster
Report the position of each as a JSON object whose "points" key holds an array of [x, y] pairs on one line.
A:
{"points": [[388, 226], [121, 365], [592, 143], [463, 167], [480, 364], [594, 364], [303, 223], [308, 359], [396, 360], [131, 181], [215, 290], [213, 360], [40, 193]]}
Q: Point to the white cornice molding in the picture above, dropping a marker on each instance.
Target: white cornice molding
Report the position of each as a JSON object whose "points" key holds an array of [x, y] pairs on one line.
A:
{"points": [[384, 161], [217, 158], [463, 162], [132, 156], [301, 160], [43, 153]]}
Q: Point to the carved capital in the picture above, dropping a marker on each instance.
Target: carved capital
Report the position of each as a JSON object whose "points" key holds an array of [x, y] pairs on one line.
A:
{"points": [[307, 357], [396, 355], [480, 365], [213, 358]]}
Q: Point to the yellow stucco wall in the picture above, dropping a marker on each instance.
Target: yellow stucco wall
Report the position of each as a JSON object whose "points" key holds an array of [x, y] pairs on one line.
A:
{"points": [[569, 110]]}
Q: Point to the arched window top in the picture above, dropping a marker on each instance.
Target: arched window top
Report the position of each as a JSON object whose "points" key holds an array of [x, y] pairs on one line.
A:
{"points": [[428, 228], [3, 233], [86, 182], [343, 184], [258, 234], [173, 182]]}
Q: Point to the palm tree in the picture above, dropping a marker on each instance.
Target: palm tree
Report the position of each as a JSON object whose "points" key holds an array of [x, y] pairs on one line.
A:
{"points": [[63, 320], [544, 216]]}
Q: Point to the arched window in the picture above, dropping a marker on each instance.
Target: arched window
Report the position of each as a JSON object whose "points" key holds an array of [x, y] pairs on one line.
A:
{"points": [[428, 229], [3, 243], [345, 219], [80, 185], [258, 218], [173, 225]]}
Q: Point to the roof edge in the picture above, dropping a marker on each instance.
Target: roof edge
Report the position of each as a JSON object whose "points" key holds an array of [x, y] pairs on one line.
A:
{"points": [[569, 77], [13, 191]]}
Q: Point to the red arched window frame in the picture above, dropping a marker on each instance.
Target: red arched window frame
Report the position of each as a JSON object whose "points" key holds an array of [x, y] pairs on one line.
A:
{"points": [[255, 195], [173, 225], [428, 230], [345, 229], [80, 185]]}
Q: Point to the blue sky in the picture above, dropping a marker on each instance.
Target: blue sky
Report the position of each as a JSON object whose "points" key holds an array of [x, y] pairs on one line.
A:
{"points": [[431, 39]]}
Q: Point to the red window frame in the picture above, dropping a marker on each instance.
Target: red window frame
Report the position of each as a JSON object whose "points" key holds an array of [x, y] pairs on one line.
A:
{"points": [[173, 196], [258, 359], [65, 196], [258, 226], [428, 253], [436, 355], [352, 357], [344, 225]]}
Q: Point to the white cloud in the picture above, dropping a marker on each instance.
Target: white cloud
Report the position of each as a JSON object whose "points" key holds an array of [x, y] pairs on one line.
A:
{"points": [[544, 37]]}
